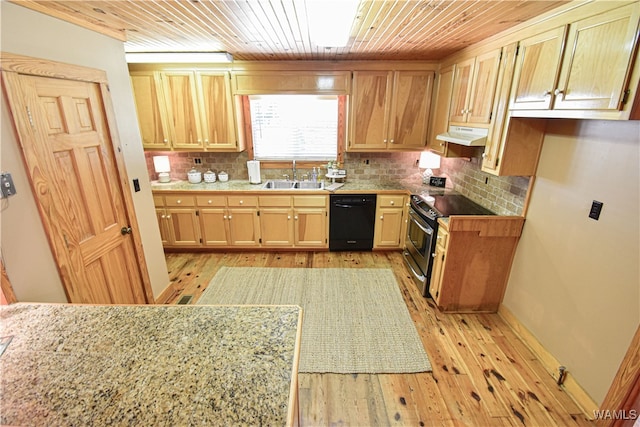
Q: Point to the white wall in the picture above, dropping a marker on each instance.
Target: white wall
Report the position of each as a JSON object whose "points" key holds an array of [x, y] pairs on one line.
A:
{"points": [[26, 253], [575, 282]]}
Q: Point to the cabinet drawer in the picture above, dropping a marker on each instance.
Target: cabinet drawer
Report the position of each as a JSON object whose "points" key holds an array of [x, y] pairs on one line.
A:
{"points": [[242, 201], [179, 200], [274, 201], [310, 201], [217, 201], [158, 201], [391, 200]]}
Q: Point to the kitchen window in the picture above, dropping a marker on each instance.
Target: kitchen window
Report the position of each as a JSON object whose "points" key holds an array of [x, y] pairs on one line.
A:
{"points": [[295, 127]]}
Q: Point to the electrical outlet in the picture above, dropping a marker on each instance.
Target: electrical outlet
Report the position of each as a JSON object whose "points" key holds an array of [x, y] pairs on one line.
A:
{"points": [[6, 185], [197, 160], [366, 162], [596, 208], [136, 185]]}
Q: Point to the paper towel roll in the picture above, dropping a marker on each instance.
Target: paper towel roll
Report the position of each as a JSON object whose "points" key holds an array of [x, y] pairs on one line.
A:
{"points": [[253, 166]]}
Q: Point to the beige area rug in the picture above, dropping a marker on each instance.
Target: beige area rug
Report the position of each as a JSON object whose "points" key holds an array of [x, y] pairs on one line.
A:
{"points": [[355, 320]]}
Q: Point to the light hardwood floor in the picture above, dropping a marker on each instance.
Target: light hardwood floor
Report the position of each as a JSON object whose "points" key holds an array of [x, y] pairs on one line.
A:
{"points": [[483, 375]]}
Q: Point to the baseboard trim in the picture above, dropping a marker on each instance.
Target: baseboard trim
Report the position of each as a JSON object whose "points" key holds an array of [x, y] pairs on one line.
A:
{"points": [[549, 362], [166, 295]]}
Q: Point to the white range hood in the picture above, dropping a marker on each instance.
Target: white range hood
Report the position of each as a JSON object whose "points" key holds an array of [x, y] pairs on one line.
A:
{"points": [[471, 137]]}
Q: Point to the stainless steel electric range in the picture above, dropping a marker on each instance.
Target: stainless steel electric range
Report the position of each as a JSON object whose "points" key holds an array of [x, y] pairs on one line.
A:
{"points": [[422, 230]]}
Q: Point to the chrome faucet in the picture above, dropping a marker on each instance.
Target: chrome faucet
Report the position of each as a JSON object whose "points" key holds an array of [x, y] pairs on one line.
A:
{"points": [[295, 172]]}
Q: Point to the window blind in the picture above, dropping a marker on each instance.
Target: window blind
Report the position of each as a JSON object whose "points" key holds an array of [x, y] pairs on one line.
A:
{"points": [[300, 127]]}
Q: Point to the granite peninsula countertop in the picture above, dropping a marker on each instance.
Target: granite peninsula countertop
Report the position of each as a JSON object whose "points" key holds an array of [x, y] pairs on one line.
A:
{"points": [[148, 365]]}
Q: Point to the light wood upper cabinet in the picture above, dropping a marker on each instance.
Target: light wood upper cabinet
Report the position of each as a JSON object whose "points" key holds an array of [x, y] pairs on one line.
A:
{"points": [[390, 110], [578, 71], [179, 88], [216, 111], [147, 93], [596, 61], [474, 85], [186, 110], [536, 71]]}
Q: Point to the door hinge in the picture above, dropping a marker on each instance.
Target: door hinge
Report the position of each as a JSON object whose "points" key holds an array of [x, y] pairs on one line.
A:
{"points": [[517, 50], [197, 213], [625, 97], [258, 212], [201, 240], [260, 240], [490, 115], [500, 59]]}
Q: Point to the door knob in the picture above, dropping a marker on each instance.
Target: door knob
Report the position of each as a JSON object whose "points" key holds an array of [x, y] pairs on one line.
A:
{"points": [[125, 230]]}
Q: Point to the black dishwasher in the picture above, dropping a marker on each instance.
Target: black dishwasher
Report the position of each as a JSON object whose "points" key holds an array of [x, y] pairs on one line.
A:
{"points": [[351, 222]]}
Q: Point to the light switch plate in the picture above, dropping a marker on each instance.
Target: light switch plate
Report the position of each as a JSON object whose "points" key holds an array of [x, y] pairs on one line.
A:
{"points": [[6, 185], [596, 208]]}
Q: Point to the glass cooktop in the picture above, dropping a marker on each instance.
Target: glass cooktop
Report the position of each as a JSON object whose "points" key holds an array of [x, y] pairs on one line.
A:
{"points": [[452, 204]]}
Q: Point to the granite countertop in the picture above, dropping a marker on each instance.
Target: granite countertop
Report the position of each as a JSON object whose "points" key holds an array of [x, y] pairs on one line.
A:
{"points": [[410, 185], [147, 365]]}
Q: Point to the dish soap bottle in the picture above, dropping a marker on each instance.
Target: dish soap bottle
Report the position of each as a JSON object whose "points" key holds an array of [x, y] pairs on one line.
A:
{"points": [[314, 175]]}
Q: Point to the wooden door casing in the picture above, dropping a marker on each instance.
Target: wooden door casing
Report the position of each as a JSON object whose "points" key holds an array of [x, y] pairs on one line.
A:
{"points": [[78, 179]]}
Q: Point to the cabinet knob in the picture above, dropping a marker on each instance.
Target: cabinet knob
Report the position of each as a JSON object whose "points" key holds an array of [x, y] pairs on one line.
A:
{"points": [[179, 201], [168, 216], [224, 217], [163, 216], [391, 141], [165, 141], [547, 92], [381, 217], [392, 203], [484, 155], [206, 141], [241, 201], [385, 141], [295, 217], [229, 216], [209, 201], [288, 216], [558, 92], [442, 144], [462, 111]]}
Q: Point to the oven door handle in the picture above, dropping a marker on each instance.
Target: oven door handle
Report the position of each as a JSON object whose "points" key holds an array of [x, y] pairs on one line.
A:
{"points": [[413, 267], [417, 221]]}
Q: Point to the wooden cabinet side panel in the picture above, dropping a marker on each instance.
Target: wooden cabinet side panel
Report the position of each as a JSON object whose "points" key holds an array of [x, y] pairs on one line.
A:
{"points": [[440, 116], [476, 273]]}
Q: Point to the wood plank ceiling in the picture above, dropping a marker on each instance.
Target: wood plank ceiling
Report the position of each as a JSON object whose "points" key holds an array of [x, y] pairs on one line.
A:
{"points": [[258, 30]]}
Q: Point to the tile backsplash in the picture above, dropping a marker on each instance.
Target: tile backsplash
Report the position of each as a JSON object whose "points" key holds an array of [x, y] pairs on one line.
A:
{"points": [[502, 195]]}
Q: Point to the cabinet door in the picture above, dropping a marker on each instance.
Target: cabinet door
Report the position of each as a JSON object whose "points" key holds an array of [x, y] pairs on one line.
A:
{"points": [[276, 226], [388, 228], [185, 226], [440, 123], [310, 227], [537, 68], [409, 119], [163, 225], [597, 59], [216, 110], [463, 73], [244, 227], [214, 226], [147, 92], [485, 78], [182, 108], [371, 94]]}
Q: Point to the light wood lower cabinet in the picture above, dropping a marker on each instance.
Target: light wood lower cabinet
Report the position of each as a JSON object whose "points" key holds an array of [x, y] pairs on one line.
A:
{"points": [[242, 220], [178, 220], [390, 225], [472, 262]]}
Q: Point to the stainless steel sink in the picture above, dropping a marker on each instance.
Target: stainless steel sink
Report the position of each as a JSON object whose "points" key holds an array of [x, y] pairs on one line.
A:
{"points": [[292, 185], [278, 185], [309, 185]]}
